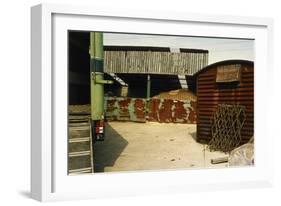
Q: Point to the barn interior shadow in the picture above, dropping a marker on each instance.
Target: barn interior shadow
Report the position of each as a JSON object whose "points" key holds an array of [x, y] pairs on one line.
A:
{"points": [[108, 151]]}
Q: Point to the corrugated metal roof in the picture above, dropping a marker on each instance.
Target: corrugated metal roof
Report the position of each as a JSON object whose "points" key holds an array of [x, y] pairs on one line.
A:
{"points": [[153, 60]]}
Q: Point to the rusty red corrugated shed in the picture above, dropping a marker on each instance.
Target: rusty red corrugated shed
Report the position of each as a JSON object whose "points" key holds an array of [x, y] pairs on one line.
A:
{"points": [[210, 94]]}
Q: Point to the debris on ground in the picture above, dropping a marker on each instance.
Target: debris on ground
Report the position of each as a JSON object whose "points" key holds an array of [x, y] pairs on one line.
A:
{"points": [[219, 160], [243, 155], [179, 94]]}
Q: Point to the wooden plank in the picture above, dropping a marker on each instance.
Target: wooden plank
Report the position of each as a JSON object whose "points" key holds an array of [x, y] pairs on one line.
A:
{"points": [[80, 171], [219, 160], [228, 73]]}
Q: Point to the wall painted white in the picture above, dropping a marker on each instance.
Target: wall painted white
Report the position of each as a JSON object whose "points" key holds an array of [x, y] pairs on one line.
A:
{"points": [[15, 102]]}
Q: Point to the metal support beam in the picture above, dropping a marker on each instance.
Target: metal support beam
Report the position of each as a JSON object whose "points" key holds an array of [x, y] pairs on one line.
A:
{"points": [[148, 87], [97, 76], [148, 94], [96, 65]]}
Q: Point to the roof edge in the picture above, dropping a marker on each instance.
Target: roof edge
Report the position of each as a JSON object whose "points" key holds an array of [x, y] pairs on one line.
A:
{"points": [[228, 61], [150, 48]]}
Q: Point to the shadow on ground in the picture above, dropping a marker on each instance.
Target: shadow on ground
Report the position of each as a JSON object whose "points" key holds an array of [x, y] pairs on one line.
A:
{"points": [[108, 151], [194, 135]]}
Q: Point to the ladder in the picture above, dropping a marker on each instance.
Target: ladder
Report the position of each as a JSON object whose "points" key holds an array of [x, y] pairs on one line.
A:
{"points": [[80, 149]]}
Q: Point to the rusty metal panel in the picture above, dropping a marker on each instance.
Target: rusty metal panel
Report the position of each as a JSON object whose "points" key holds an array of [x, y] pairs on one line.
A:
{"points": [[228, 73], [211, 93], [125, 109], [172, 111], [159, 110]]}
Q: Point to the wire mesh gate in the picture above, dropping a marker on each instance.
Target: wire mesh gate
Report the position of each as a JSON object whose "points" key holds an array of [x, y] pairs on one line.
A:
{"points": [[227, 124]]}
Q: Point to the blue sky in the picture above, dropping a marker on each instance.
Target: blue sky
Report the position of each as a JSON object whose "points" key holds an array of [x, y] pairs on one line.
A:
{"points": [[219, 48]]}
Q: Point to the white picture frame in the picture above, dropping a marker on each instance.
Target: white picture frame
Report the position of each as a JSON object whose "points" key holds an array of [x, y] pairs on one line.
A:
{"points": [[49, 179]]}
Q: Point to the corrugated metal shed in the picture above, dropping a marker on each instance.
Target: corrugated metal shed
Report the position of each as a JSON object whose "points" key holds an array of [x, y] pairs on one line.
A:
{"points": [[223, 87], [153, 60]]}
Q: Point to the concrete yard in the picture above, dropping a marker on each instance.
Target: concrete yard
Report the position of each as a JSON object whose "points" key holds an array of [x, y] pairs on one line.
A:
{"points": [[130, 146]]}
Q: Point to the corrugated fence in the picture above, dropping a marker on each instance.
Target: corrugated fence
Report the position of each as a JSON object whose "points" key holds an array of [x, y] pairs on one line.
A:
{"points": [[172, 111], [125, 109], [157, 110]]}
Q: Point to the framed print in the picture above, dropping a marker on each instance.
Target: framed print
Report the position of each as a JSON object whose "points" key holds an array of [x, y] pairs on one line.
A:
{"points": [[138, 102]]}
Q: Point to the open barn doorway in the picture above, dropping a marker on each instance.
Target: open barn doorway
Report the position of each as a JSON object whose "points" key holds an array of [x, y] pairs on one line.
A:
{"points": [[149, 103]]}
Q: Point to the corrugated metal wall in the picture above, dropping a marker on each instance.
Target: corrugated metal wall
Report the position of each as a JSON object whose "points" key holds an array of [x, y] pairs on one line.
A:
{"points": [[172, 111], [125, 109], [159, 110], [153, 60], [210, 94]]}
